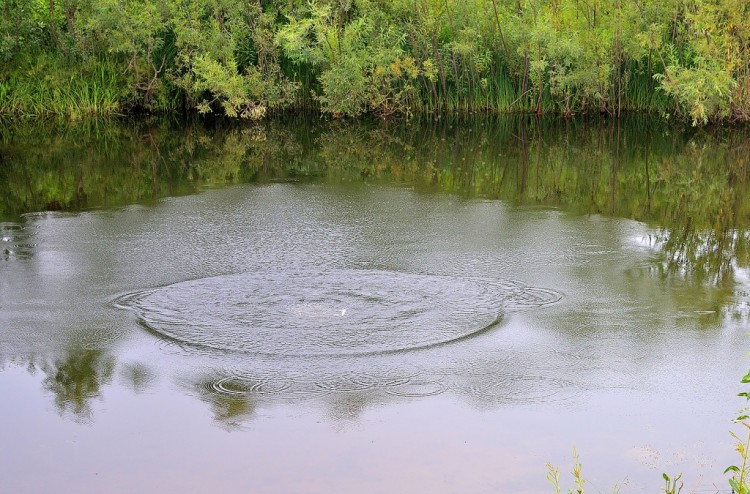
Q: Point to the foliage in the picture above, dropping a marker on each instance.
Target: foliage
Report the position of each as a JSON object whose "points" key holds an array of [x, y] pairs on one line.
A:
{"points": [[670, 484], [739, 480], [553, 477], [349, 57]]}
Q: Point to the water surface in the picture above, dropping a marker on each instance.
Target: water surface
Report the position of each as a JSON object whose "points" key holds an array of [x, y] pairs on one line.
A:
{"points": [[366, 307]]}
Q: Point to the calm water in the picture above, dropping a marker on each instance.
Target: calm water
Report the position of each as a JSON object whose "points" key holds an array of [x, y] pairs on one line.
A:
{"points": [[322, 307]]}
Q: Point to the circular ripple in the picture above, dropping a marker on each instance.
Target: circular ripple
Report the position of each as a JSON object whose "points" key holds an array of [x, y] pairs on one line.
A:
{"points": [[417, 389], [336, 312], [238, 386]]}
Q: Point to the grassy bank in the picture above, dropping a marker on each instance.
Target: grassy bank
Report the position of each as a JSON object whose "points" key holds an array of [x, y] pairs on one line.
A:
{"points": [[685, 60]]}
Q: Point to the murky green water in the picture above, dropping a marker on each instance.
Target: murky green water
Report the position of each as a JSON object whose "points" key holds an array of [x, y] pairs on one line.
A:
{"points": [[365, 307]]}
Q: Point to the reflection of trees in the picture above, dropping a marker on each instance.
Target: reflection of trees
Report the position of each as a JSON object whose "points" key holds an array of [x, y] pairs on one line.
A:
{"points": [[515, 159], [694, 186], [235, 399], [51, 167], [137, 377], [231, 406], [76, 379], [710, 255], [706, 232]]}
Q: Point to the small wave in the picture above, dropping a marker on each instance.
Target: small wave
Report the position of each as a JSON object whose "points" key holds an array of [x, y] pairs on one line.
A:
{"points": [[241, 386], [418, 388], [520, 389]]}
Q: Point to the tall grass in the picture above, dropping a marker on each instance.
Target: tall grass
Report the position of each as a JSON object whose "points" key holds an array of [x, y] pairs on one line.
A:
{"points": [[51, 87], [642, 93]]}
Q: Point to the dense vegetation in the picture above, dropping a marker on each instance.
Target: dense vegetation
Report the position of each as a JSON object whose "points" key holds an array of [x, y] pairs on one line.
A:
{"points": [[246, 58]]}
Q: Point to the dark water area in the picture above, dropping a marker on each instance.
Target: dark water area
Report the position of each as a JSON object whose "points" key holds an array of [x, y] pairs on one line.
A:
{"points": [[314, 306]]}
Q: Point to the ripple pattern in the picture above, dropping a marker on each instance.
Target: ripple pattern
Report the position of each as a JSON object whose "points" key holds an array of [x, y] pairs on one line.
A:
{"points": [[15, 241], [380, 384], [333, 312]]}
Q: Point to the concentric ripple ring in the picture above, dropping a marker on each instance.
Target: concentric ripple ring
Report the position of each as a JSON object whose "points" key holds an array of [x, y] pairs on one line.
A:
{"points": [[331, 312]]}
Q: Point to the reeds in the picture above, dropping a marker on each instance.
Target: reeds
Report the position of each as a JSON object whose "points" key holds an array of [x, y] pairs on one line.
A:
{"points": [[52, 88]]}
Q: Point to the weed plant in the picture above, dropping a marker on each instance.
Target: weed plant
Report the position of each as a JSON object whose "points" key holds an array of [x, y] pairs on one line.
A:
{"points": [[739, 479]]}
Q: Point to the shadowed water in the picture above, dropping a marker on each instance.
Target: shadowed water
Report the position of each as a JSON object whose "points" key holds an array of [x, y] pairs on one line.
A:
{"points": [[436, 307]]}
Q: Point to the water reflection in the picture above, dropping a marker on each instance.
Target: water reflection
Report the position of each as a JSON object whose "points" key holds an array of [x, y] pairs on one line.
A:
{"points": [[232, 406], [484, 374], [689, 188], [705, 233], [137, 376], [691, 185], [76, 379]]}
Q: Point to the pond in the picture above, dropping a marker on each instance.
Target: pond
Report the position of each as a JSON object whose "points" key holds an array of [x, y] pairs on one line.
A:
{"points": [[371, 307]]}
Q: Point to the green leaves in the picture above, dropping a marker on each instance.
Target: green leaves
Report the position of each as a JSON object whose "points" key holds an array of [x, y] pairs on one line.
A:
{"points": [[299, 41], [687, 59], [670, 484], [739, 480]]}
